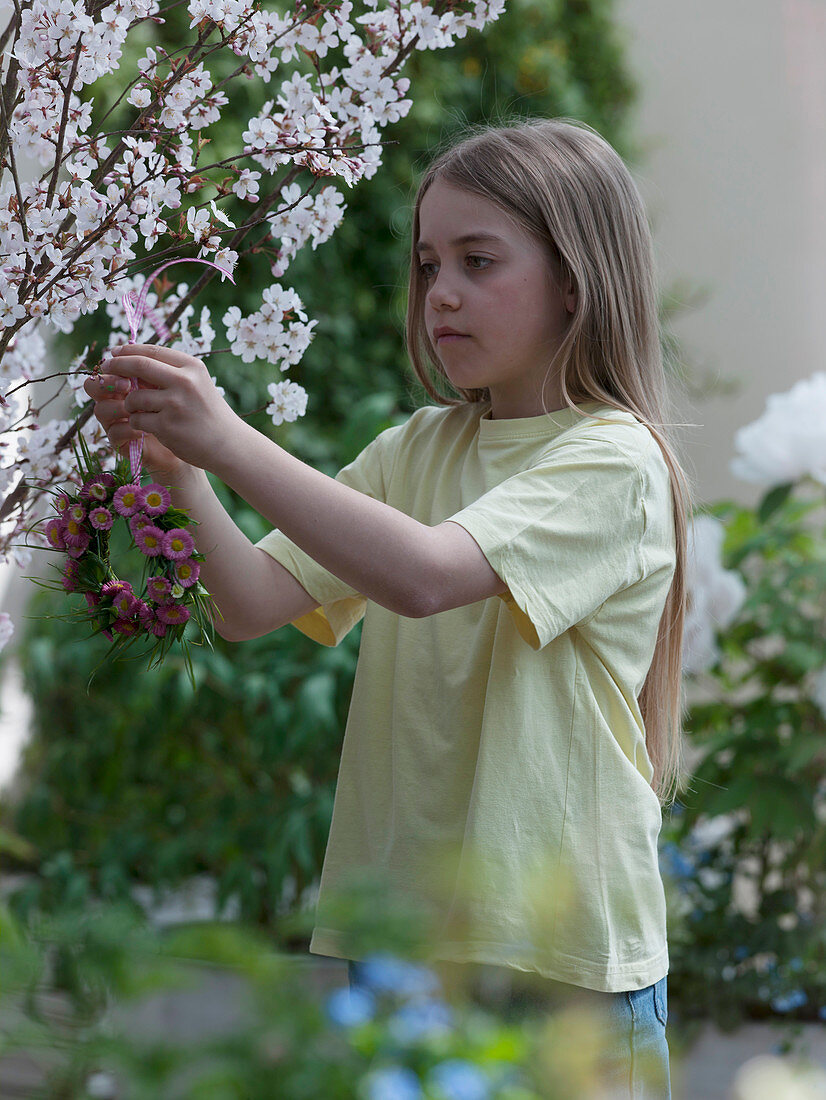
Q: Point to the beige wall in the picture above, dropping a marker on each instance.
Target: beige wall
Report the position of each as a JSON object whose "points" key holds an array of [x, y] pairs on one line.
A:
{"points": [[732, 112]]}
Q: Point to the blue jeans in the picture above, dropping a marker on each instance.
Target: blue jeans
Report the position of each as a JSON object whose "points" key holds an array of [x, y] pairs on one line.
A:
{"points": [[636, 1054]]}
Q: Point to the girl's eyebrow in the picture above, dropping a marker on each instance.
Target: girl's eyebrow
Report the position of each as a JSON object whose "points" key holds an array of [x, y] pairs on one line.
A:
{"points": [[466, 238]]}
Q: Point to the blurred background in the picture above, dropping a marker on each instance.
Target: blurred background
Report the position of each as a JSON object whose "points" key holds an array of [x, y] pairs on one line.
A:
{"points": [[222, 808]]}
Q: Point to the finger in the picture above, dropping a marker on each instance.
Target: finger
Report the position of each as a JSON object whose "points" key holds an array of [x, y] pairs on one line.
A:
{"points": [[172, 356], [143, 400], [150, 371], [121, 434], [109, 412], [143, 421], [101, 386]]}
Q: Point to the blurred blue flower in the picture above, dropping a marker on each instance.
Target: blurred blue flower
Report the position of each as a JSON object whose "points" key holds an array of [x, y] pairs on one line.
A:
{"points": [[419, 1020], [393, 1083], [387, 973], [788, 1002], [822, 1012], [675, 862], [350, 1007], [459, 1080], [741, 953], [795, 965]]}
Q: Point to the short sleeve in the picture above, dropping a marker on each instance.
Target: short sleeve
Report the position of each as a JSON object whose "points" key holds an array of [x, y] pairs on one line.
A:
{"points": [[340, 606], [564, 535]]}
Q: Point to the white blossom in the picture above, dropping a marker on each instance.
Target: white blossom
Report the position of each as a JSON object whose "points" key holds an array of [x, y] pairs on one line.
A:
{"points": [[289, 401], [6, 629], [715, 594], [787, 442], [80, 237]]}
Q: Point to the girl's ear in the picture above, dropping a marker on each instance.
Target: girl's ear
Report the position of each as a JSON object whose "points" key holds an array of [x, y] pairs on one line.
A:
{"points": [[571, 297]]}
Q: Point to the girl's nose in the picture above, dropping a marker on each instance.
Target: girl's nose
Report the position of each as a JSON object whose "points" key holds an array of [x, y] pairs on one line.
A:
{"points": [[442, 293]]}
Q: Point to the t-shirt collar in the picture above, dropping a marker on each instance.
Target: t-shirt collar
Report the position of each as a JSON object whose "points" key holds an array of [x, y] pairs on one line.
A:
{"points": [[545, 426]]}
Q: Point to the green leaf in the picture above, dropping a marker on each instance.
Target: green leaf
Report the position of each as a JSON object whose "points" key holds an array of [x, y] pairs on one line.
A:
{"points": [[775, 498]]}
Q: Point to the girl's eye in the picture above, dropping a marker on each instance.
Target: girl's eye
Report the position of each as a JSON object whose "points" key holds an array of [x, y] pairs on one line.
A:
{"points": [[479, 263], [428, 270]]}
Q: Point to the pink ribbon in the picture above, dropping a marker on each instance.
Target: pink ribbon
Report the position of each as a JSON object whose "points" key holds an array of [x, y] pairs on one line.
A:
{"points": [[135, 307]]}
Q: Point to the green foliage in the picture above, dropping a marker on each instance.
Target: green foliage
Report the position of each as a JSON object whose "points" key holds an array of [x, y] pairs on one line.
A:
{"points": [[147, 780], [754, 899]]}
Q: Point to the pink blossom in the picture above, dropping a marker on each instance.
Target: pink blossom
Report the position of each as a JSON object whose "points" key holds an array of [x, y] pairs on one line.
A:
{"points": [[54, 533], [138, 522], [125, 603], [128, 500], [70, 581], [150, 541], [80, 546], [94, 489], [173, 613], [111, 589], [74, 534], [62, 502], [77, 512], [187, 572], [178, 544], [156, 499], [101, 518], [92, 600], [141, 609], [157, 588], [129, 627]]}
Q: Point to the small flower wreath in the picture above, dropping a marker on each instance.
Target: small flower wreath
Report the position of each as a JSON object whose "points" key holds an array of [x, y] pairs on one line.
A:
{"points": [[169, 593]]}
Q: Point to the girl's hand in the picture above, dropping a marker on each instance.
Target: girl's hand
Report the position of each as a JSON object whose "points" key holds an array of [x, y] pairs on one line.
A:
{"points": [[176, 405]]}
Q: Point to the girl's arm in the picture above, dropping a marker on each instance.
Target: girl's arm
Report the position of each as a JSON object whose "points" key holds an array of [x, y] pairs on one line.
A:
{"points": [[390, 558]]}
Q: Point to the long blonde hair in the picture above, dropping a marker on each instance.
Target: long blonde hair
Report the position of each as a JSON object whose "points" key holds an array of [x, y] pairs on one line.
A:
{"points": [[571, 191]]}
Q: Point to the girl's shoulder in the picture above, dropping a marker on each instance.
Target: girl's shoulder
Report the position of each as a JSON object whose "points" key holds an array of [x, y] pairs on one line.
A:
{"points": [[613, 432], [429, 423]]}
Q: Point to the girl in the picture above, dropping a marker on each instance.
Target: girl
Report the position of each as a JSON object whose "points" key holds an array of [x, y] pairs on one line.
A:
{"points": [[517, 553]]}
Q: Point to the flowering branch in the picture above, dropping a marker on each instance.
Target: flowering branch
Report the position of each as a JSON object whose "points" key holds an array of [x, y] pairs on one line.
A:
{"points": [[127, 192]]}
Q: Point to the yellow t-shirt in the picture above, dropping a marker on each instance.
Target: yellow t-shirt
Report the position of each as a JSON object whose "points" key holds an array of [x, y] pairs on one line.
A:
{"points": [[494, 761]]}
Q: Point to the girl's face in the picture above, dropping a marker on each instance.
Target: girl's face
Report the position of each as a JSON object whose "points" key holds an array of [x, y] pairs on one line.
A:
{"points": [[492, 309]]}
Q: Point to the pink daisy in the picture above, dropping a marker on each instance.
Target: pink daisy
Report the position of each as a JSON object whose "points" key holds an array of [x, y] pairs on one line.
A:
{"points": [[62, 502], [156, 499], [101, 518], [111, 589], [81, 547], [150, 622], [125, 603], [54, 533], [187, 572], [77, 512], [157, 588], [128, 500], [173, 613], [126, 626], [149, 540], [92, 600], [94, 490], [138, 522], [74, 534], [146, 614], [178, 544], [70, 580], [141, 609]]}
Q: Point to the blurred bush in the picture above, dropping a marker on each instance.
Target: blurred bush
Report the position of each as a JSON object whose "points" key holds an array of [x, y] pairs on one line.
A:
{"points": [[745, 849], [76, 986]]}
